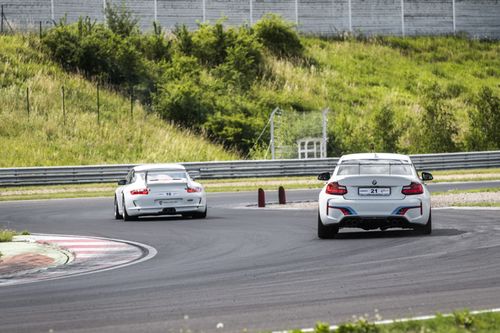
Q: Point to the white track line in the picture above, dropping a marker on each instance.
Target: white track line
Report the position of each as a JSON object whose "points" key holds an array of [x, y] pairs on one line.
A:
{"points": [[392, 321]]}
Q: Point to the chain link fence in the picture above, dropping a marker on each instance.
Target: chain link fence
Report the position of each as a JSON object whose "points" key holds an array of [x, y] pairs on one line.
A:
{"points": [[477, 18]]}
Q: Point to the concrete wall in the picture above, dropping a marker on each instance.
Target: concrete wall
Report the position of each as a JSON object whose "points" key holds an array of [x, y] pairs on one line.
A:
{"points": [[478, 18]]}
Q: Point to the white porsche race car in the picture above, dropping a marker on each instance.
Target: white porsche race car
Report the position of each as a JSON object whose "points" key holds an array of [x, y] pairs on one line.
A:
{"points": [[372, 191], [159, 189]]}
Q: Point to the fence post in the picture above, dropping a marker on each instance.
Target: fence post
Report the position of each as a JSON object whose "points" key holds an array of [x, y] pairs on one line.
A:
{"points": [[324, 132], [251, 12], [403, 18], [454, 17], [350, 15], [204, 10], [52, 16], [297, 14], [1, 26], [63, 106], [28, 101], [132, 103], [98, 106], [156, 10], [40, 29]]}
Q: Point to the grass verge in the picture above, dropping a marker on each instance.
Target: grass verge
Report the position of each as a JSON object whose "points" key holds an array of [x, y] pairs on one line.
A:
{"points": [[458, 322], [6, 235]]}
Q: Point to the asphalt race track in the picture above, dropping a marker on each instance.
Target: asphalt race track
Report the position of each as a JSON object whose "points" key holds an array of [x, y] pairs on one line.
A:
{"points": [[253, 269]]}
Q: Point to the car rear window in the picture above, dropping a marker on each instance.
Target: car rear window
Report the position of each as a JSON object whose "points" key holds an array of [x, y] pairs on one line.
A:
{"points": [[162, 176], [375, 167]]}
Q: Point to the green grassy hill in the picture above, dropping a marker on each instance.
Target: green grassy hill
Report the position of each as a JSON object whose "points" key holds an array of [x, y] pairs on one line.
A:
{"points": [[392, 94], [363, 80], [42, 139]]}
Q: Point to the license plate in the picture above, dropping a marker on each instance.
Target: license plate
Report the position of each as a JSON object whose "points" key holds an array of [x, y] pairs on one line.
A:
{"points": [[167, 202], [374, 191]]}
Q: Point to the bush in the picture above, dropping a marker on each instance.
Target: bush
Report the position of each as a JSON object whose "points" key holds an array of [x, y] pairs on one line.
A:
{"points": [[155, 46], [484, 133], [6, 235], [211, 42], [361, 326], [96, 51], [322, 328], [235, 130], [437, 122], [183, 102], [385, 132], [244, 61], [120, 20], [184, 40], [279, 36], [63, 45]]}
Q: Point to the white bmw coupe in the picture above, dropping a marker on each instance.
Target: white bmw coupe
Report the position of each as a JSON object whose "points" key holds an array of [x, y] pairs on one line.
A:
{"points": [[159, 189], [372, 191]]}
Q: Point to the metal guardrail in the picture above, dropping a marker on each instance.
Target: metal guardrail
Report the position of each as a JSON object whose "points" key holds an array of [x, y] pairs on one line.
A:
{"points": [[232, 169]]}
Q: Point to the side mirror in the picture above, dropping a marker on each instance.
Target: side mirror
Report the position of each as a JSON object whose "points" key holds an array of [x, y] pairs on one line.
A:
{"points": [[324, 176], [427, 176], [122, 182]]}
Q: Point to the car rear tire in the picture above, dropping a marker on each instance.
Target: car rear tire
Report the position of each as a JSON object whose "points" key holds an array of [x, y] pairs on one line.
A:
{"points": [[427, 228], [127, 217], [118, 216], [326, 231], [200, 215]]}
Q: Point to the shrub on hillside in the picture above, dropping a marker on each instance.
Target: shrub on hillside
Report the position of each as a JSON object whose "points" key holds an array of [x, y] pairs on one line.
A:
{"points": [[183, 39], [234, 129], [63, 44], [438, 126], [385, 132], [155, 46], [279, 36], [96, 51], [180, 96], [244, 60], [211, 42], [120, 19], [484, 132]]}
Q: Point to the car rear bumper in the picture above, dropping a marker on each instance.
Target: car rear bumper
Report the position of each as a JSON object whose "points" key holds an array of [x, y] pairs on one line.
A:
{"points": [[370, 223], [373, 214], [173, 210]]}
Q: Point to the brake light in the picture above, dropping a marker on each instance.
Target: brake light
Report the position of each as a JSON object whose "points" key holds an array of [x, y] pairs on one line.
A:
{"points": [[413, 188], [142, 191], [335, 189], [193, 189]]}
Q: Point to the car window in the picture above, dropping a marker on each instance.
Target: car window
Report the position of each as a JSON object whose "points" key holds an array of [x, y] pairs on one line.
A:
{"points": [[378, 167], [129, 177], [165, 175]]}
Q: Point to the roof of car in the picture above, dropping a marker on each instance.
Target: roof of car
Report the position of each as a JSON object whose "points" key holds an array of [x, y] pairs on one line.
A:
{"points": [[375, 156], [162, 166]]}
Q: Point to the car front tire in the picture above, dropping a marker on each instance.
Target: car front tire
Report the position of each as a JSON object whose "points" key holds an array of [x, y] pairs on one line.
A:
{"points": [[326, 231]]}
